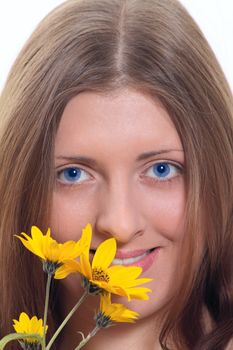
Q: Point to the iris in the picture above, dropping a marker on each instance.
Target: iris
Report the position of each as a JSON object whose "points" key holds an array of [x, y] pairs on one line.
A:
{"points": [[72, 174], [161, 169]]}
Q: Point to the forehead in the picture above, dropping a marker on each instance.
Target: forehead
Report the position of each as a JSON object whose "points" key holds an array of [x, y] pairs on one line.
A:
{"points": [[123, 119]]}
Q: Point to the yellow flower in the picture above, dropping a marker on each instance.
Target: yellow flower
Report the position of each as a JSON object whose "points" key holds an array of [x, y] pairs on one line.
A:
{"points": [[110, 313], [29, 326], [118, 279], [48, 249]]}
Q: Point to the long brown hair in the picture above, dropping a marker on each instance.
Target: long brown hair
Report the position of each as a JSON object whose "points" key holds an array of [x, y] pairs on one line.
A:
{"points": [[153, 46]]}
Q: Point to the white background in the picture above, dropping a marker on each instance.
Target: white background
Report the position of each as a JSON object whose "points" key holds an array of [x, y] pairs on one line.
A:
{"points": [[18, 18]]}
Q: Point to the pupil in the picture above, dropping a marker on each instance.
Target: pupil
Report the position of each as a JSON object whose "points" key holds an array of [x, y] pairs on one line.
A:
{"points": [[161, 168], [72, 172]]}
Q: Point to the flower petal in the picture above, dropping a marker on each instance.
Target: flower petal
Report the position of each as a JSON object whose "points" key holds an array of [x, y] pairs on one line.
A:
{"points": [[85, 242], [126, 276], [120, 273], [40, 241], [138, 293], [49, 249], [29, 326], [28, 243], [105, 254], [67, 268], [116, 312]]}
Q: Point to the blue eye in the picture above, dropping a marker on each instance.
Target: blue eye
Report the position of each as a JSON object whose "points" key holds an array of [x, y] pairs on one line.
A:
{"points": [[163, 171], [72, 175]]}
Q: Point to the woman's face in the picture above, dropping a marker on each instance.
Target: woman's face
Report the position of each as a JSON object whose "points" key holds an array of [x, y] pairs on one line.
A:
{"points": [[119, 166]]}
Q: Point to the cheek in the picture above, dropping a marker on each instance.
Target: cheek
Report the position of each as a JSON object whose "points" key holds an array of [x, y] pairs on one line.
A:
{"points": [[70, 213], [165, 211]]}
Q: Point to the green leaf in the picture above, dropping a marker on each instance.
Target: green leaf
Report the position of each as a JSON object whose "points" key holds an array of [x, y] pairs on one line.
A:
{"points": [[18, 336]]}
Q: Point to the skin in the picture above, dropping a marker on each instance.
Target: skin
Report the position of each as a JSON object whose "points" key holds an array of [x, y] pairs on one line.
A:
{"points": [[122, 196]]}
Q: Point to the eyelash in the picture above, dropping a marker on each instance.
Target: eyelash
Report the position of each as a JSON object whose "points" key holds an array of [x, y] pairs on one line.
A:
{"points": [[168, 171], [74, 170], [166, 168]]}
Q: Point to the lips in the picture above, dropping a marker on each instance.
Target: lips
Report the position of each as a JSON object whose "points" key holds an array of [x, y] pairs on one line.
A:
{"points": [[132, 254], [130, 258], [142, 258]]}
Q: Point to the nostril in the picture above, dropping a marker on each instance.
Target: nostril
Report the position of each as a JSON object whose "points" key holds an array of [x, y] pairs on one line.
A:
{"points": [[139, 233]]}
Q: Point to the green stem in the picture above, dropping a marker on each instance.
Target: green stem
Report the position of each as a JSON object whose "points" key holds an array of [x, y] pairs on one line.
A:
{"points": [[70, 314], [46, 309], [85, 340]]}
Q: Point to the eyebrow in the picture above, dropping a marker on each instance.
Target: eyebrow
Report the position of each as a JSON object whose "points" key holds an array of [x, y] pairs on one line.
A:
{"points": [[79, 159], [93, 162], [146, 155]]}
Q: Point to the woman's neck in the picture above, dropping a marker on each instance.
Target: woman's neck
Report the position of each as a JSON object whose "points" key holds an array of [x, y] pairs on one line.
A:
{"points": [[139, 336]]}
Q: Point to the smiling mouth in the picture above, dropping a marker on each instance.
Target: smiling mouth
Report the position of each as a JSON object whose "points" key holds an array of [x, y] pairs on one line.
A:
{"points": [[129, 260]]}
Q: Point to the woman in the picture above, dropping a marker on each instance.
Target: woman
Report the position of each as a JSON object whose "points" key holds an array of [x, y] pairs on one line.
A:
{"points": [[117, 113]]}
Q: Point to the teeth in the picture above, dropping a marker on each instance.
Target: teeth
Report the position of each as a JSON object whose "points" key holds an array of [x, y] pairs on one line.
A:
{"points": [[129, 261]]}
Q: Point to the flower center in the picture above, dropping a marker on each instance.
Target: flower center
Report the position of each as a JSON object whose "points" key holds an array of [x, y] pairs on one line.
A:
{"points": [[98, 274]]}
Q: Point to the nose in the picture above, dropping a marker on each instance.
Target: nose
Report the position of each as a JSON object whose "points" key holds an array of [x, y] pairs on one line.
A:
{"points": [[119, 214]]}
